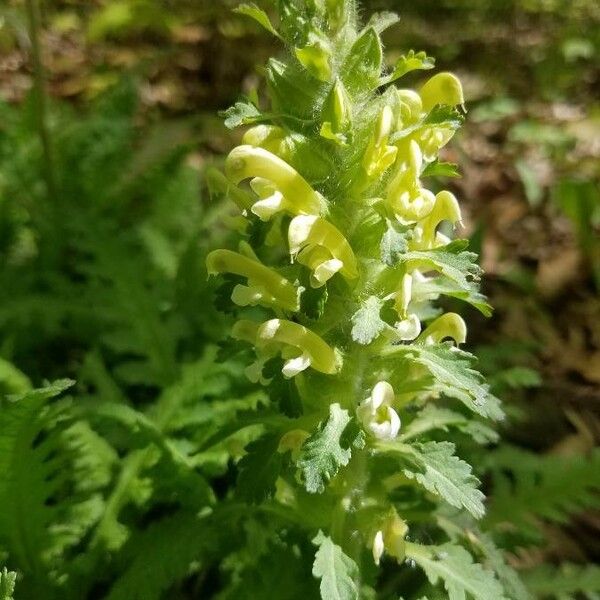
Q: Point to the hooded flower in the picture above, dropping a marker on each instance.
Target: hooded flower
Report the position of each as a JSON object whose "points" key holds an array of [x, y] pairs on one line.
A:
{"points": [[441, 89], [300, 347], [264, 287], [449, 325], [317, 244], [406, 198], [376, 412], [279, 186], [446, 208]]}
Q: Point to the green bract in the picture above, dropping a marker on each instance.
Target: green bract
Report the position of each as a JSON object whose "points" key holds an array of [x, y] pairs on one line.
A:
{"points": [[350, 254]]}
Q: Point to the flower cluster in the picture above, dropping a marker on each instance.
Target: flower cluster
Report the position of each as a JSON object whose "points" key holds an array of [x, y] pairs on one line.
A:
{"points": [[347, 247]]}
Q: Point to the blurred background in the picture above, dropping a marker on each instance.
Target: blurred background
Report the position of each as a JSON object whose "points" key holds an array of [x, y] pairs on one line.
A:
{"points": [[109, 119]]}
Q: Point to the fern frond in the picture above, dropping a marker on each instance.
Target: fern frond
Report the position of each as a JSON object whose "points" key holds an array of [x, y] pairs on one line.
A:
{"points": [[528, 486], [565, 581]]}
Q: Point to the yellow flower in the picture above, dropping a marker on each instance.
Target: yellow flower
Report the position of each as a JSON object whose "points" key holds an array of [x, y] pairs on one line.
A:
{"points": [[265, 286], [407, 199], [442, 88], [300, 346], [390, 538], [279, 186], [376, 412], [449, 325], [317, 244], [446, 208], [379, 155]]}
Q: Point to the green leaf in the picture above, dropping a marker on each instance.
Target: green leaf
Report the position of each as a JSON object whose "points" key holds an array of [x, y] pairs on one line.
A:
{"points": [[323, 453], [447, 116], [7, 584], [394, 242], [360, 71], [433, 417], [448, 287], [241, 113], [452, 260], [412, 61], [434, 466], [495, 559], [454, 566], [366, 322], [453, 376], [338, 572], [565, 581], [259, 15], [440, 169], [259, 469]]}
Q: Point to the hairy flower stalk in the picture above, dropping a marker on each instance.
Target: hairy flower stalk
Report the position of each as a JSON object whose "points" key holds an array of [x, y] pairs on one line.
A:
{"points": [[347, 250]]}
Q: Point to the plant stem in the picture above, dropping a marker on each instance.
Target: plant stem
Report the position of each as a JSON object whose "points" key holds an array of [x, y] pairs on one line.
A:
{"points": [[34, 20]]}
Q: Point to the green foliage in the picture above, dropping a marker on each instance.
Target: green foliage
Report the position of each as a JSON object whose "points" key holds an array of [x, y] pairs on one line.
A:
{"points": [[366, 322], [528, 487], [434, 466], [325, 452], [565, 581], [336, 571], [454, 567]]}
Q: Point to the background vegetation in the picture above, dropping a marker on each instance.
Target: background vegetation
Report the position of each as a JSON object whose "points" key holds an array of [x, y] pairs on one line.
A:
{"points": [[105, 219]]}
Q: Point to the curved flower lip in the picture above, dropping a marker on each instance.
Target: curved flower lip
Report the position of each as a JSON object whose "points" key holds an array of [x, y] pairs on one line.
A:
{"points": [[315, 352], [290, 191], [265, 286], [443, 88], [446, 208], [309, 235], [450, 325]]}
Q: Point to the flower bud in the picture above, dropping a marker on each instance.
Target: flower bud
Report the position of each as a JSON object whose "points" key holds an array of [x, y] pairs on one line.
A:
{"points": [[443, 88], [391, 538], [315, 58], [379, 155], [409, 108], [337, 114]]}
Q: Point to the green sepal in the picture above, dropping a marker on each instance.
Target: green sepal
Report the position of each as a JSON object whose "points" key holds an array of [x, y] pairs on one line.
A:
{"points": [[362, 68]]}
